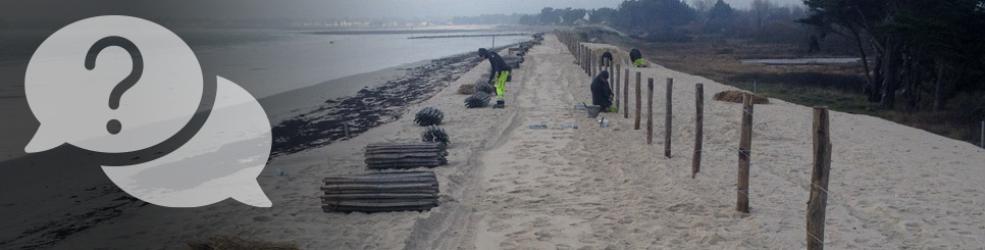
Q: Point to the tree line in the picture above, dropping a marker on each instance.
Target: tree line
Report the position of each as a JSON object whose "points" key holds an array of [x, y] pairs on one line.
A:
{"points": [[917, 54], [928, 52], [676, 20]]}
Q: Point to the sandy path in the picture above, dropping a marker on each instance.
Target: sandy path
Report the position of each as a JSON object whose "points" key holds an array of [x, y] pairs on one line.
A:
{"points": [[891, 186], [527, 182]]}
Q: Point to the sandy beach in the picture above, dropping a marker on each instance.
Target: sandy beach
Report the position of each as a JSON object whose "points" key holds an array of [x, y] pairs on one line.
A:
{"points": [[575, 185], [68, 198]]}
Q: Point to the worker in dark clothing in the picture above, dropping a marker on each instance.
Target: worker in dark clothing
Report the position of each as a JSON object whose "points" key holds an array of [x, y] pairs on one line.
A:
{"points": [[601, 93], [606, 60], [636, 57], [498, 76]]}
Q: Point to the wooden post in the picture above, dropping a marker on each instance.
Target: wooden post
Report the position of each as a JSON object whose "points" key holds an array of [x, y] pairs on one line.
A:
{"points": [[345, 129], [594, 64], [578, 57], [625, 95], [588, 61], [699, 106], [581, 57], [669, 117], [649, 112], [638, 102], [616, 82], [819, 180], [745, 144], [982, 137], [612, 84], [608, 68], [584, 59], [572, 48]]}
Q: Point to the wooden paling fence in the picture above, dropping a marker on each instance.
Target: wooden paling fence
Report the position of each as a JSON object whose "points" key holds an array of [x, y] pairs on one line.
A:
{"points": [[822, 144]]}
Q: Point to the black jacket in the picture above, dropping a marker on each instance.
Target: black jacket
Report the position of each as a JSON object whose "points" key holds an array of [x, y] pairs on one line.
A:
{"points": [[601, 93], [498, 64]]}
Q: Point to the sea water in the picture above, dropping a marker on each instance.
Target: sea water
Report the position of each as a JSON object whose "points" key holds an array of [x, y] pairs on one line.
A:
{"points": [[266, 62], [271, 61], [282, 61]]}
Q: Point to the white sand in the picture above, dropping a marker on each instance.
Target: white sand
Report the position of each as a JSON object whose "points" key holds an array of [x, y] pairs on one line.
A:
{"points": [[511, 187], [891, 186]]}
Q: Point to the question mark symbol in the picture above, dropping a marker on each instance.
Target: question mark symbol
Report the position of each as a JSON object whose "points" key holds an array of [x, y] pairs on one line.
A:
{"points": [[114, 126]]}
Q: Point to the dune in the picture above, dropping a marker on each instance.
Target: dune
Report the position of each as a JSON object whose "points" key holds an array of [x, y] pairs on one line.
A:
{"points": [[891, 186]]}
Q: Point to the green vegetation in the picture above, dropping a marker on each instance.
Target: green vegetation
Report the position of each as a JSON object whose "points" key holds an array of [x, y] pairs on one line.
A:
{"points": [[927, 52]]}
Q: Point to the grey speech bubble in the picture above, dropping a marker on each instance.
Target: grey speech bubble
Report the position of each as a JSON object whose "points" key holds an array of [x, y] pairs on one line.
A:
{"points": [[119, 84], [221, 161], [73, 102]]}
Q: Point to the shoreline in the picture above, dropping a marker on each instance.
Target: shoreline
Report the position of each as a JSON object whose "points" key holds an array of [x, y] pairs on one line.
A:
{"points": [[368, 108], [304, 128], [388, 96], [292, 182]]}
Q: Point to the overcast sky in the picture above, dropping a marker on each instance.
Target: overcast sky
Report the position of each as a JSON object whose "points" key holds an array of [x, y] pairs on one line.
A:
{"points": [[309, 9]]}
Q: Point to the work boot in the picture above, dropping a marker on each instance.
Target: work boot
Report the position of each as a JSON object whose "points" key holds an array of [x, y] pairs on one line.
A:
{"points": [[500, 104]]}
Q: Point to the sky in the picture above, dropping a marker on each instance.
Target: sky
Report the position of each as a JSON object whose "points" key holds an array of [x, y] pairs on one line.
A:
{"points": [[306, 9]]}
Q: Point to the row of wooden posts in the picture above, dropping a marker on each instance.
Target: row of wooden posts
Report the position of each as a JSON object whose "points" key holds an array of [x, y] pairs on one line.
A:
{"points": [[817, 202]]}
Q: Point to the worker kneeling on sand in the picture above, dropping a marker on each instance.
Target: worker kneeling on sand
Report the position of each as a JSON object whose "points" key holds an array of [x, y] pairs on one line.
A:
{"points": [[498, 76], [601, 93], [637, 57]]}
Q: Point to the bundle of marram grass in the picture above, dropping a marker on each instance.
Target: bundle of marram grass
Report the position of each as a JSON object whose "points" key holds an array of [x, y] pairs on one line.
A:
{"points": [[429, 116], [477, 100]]}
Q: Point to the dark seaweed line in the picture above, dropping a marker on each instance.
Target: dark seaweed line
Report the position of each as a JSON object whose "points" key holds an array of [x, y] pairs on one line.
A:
{"points": [[368, 108]]}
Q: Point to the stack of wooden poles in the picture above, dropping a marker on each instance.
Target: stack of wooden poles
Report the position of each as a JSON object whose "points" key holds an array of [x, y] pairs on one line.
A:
{"points": [[405, 155], [381, 192], [388, 191]]}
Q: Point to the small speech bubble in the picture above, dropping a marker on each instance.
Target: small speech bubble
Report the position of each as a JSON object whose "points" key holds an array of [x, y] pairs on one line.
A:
{"points": [[111, 84], [221, 161]]}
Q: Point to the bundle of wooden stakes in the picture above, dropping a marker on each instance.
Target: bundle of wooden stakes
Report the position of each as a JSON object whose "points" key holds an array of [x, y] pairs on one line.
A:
{"points": [[405, 155], [381, 192]]}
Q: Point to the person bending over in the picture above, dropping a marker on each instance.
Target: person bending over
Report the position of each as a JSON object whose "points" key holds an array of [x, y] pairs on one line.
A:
{"points": [[601, 93], [498, 76]]}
